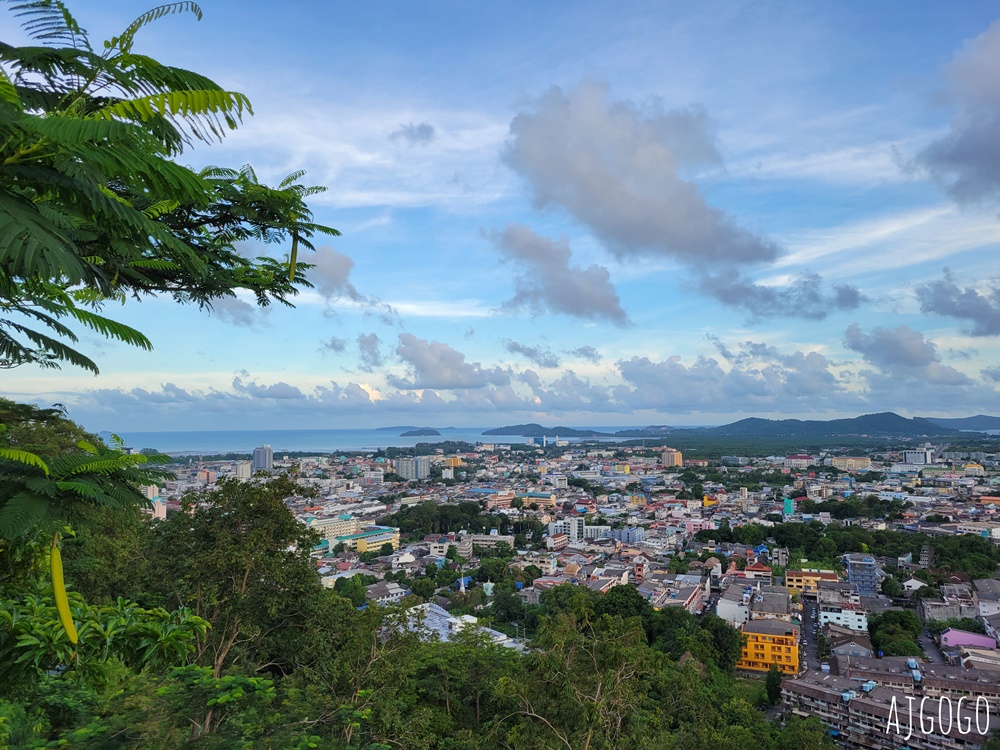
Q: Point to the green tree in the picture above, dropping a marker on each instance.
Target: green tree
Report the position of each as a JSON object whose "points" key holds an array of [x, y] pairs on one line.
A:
{"points": [[507, 606], [892, 587], [385, 550], [93, 207], [772, 683], [423, 587], [239, 559]]}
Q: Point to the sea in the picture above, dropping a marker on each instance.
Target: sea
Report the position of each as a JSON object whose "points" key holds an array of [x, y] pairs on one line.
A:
{"points": [[209, 442]]}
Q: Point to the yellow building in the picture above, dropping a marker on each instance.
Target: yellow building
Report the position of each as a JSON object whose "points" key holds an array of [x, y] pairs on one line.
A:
{"points": [[768, 642], [672, 457], [851, 463], [370, 540], [453, 461], [807, 581]]}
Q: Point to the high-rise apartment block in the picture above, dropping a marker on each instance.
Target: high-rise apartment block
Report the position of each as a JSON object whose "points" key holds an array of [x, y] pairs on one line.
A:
{"points": [[414, 468], [672, 457], [862, 571], [263, 458], [573, 528]]}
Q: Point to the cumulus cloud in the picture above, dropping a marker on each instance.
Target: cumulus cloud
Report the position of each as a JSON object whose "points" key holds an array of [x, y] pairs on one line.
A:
{"points": [[236, 311], [805, 297], [334, 344], [570, 393], [434, 364], [979, 307], [419, 134], [626, 172], [331, 277], [371, 355], [540, 355], [801, 373], [279, 390], [586, 352], [549, 282], [795, 381], [991, 373], [618, 168], [966, 161], [902, 353]]}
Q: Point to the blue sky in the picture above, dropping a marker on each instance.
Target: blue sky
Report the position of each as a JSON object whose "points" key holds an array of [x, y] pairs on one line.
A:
{"points": [[589, 213]]}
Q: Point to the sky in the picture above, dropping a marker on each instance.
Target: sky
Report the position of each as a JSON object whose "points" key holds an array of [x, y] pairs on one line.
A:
{"points": [[587, 213]]}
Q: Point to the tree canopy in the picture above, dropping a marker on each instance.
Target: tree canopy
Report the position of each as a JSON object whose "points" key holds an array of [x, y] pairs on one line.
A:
{"points": [[94, 209]]}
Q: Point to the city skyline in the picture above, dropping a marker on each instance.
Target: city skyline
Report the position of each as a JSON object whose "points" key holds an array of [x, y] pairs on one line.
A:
{"points": [[573, 215]]}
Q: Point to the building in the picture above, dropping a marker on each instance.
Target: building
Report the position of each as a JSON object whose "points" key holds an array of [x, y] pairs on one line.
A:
{"points": [[413, 468], [331, 528], [987, 596], [845, 615], [432, 622], [955, 638], [386, 592], [848, 463], [771, 605], [573, 528], [671, 457], [263, 459], [798, 461], [770, 642], [807, 581], [369, 540], [869, 715], [487, 540], [629, 534], [919, 457], [243, 470], [862, 570]]}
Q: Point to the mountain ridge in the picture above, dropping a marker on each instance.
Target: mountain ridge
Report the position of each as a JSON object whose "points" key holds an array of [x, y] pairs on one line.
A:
{"points": [[880, 424]]}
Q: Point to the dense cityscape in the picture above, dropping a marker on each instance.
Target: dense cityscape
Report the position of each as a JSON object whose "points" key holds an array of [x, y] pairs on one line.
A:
{"points": [[724, 274], [865, 579]]}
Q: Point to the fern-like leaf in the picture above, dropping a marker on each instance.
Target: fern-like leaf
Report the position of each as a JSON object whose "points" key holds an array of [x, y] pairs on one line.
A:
{"points": [[24, 457]]}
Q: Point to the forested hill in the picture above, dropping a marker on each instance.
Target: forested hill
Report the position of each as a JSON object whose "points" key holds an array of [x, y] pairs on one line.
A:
{"points": [[871, 425], [978, 422], [884, 424]]}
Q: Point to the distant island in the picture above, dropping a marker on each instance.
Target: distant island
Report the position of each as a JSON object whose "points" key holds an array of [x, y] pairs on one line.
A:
{"points": [[420, 432], [884, 424]]}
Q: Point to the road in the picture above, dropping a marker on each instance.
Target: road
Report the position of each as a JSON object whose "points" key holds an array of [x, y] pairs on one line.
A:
{"points": [[931, 652], [810, 652]]}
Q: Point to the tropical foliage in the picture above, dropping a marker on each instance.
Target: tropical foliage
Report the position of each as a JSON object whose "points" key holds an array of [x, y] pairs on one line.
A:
{"points": [[93, 207]]}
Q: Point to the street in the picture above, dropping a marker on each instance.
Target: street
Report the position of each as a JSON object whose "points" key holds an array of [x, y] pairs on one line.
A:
{"points": [[931, 652], [810, 646]]}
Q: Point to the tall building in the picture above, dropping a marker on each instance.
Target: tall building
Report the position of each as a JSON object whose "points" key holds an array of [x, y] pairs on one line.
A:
{"points": [[922, 456], [263, 458], [573, 528], [243, 469], [414, 468], [863, 571], [672, 457]]}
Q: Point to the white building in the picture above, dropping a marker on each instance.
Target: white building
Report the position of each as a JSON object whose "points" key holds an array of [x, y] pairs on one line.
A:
{"points": [[846, 617], [263, 458], [573, 528], [414, 468]]}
